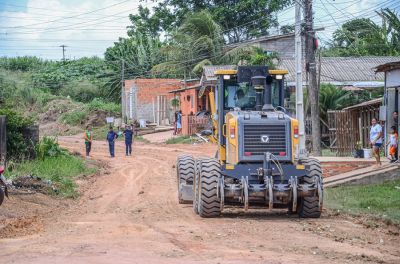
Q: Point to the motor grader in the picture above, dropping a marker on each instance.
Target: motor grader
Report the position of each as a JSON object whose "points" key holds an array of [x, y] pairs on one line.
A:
{"points": [[257, 162]]}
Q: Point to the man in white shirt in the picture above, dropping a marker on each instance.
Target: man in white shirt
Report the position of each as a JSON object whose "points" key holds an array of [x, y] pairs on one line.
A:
{"points": [[375, 138]]}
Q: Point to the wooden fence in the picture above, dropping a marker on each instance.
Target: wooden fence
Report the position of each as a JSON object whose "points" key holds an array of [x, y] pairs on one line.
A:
{"points": [[347, 127], [193, 124]]}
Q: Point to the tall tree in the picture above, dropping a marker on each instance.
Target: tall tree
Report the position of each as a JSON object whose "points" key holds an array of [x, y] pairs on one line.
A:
{"points": [[197, 42], [363, 37], [240, 19]]}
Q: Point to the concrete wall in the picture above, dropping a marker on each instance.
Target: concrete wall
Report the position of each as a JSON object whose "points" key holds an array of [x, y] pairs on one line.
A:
{"points": [[141, 95]]}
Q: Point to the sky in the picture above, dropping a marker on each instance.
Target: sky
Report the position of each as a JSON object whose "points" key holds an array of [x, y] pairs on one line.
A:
{"points": [[88, 27]]}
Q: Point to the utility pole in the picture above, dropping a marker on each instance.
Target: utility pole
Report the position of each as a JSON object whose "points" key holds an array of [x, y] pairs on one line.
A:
{"points": [[123, 101], [63, 49], [299, 82], [311, 66]]}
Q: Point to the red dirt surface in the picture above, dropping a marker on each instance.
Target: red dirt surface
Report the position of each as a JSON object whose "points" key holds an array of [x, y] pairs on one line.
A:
{"points": [[130, 214]]}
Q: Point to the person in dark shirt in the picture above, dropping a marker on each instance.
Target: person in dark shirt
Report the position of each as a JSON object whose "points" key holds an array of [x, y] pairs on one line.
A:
{"points": [[111, 137], [128, 132]]}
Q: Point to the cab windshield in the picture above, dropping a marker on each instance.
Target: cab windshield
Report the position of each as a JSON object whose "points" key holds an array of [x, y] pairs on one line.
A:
{"points": [[243, 95]]}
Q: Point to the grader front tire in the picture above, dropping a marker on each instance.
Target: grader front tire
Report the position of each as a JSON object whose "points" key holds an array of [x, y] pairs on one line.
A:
{"points": [[209, 202], [309, 206]]}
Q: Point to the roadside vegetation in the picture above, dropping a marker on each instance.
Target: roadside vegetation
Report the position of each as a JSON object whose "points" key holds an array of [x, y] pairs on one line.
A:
{"points": [[53, 165], [380, 201], [179, 140]]}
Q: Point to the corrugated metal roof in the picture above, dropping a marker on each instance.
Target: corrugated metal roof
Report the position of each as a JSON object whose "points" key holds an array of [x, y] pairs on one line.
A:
{"points": [[342, 69], [388, 66], [367, 103], [208, 71]]}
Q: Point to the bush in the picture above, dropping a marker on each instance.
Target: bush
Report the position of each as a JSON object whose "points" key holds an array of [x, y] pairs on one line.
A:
{"points": [[99, 104], [74, 117], [17, 148], [25, 63], [60, 170], [80, 90], [48, 147]]}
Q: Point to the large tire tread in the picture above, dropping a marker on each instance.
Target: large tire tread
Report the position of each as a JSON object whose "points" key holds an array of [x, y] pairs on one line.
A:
{"points": [[185, 169], [309, 206], [209, 202]]}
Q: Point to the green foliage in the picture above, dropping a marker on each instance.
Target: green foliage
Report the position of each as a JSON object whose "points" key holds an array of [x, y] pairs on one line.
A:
{"points": [[175, 102], [179, 140], [378, 200], [17, 148], [48, 147], [363, 37], [81, 90], [198, 39], [99, 104], [236, 17], [61, 170], [74, 117], [250, 55], [139, 53], [25, 63]]}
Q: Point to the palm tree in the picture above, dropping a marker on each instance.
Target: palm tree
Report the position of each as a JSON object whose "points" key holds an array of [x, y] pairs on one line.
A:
{"points": [[196, 43]]}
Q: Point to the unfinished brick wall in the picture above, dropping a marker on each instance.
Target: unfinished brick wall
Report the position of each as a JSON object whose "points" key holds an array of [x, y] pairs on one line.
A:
{"points": [[142, 95]]}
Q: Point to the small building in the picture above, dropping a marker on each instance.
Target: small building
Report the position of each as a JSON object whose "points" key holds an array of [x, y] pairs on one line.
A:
{"points": [[150, 99], [194, 99]]}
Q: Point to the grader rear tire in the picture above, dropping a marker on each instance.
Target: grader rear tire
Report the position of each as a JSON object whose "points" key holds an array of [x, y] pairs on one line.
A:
{"points": [[185, 168], [208, 176], [309, 206]]}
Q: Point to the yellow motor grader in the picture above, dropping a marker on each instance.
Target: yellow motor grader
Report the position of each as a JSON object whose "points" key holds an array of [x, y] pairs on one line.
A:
{"points": [[256, 163]]}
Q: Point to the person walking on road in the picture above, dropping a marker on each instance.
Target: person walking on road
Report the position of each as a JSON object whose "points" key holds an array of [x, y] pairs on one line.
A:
{"points": [[111, 137], [128, 132], [88, 140], [375, 137], [393, 144], [179, 123]]}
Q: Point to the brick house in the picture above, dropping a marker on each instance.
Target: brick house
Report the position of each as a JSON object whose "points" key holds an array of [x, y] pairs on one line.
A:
{"points": [[150, 99]]}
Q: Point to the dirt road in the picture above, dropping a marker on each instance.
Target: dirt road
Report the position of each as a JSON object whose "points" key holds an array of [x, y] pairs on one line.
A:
{"points": [[131, 215]]}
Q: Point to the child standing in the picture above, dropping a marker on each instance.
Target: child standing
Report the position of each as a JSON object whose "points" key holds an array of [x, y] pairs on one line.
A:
{"points": [[393, 143]]}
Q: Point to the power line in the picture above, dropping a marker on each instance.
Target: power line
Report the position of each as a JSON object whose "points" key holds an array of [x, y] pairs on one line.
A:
{"points": [[78, 15]]}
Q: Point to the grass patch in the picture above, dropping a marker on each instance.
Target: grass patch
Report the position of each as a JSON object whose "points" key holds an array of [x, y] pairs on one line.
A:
{"points": [[378, 200], [74, 117], [60, 170], [179, 140], [328, 153], [141, 139], [98, 104]]}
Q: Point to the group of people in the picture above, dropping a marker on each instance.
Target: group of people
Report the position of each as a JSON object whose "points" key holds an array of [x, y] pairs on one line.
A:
{"points": [[111, 137], [376, 139]]}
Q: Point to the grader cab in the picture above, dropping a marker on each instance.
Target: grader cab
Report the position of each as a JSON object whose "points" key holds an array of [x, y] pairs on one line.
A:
{"points": [[256, 163]]}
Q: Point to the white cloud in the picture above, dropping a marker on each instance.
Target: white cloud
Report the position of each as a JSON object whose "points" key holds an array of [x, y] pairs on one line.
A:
{"points": [[45, 25]]}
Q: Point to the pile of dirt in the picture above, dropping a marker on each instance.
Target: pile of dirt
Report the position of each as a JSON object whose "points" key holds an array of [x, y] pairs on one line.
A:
{"points": [[21, 226], [55, 109], [96, 118]]}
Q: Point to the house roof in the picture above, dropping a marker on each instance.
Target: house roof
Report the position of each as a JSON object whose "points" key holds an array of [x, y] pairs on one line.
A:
{"points": [[342, 70], [209, 71], [388, 66], [196, 86], [365, 104]]}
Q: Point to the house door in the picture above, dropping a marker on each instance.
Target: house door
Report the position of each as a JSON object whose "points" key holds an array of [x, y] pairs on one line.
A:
{"points": [[161, 109]]}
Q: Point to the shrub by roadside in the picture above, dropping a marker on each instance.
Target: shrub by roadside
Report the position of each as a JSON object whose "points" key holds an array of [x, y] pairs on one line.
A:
{"points": [[179, 140], [55, 165]]}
